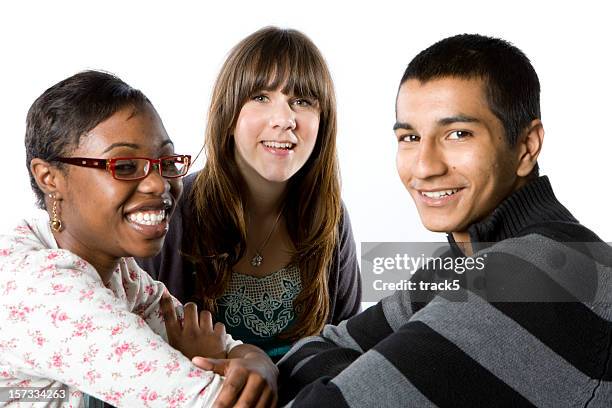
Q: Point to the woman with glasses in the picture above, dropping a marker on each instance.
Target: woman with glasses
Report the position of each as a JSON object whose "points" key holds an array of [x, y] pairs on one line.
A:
{"points": [[261, 237], [78, 316]]}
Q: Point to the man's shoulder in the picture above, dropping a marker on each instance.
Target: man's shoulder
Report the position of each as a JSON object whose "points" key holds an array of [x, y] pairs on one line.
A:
{"points": [[550, 263], [562, 231], [544, 238]]}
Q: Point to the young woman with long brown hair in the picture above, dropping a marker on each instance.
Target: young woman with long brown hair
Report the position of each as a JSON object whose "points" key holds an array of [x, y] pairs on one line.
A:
{"points": [[261, 237]]}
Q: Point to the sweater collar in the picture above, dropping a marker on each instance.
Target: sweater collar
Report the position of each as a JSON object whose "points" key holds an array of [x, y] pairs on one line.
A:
{"points": [[531, 204]]}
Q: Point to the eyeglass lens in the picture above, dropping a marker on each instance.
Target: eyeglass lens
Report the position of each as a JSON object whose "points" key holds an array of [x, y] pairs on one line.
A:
{"points": [[129, 169]]}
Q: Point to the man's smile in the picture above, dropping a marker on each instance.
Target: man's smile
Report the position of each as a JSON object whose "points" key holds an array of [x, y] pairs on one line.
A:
{"points": [[438, 197]]}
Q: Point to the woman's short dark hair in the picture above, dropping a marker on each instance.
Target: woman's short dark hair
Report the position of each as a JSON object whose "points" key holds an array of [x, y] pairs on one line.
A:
{"points": [[68, 110], [511, 83]]}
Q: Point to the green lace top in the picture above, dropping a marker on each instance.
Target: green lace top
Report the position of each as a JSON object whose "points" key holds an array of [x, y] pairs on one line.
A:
{"points": [[256, 310]]}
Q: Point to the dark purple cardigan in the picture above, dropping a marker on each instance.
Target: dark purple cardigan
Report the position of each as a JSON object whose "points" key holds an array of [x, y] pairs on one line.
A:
{"points": [[178, 275]]}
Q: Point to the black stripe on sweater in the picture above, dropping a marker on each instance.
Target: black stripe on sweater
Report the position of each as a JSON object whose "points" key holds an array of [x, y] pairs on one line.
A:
{"points": [[569, 328], [328, 360], [315, 348], [443, 373], [377, 326], [322, 393]]}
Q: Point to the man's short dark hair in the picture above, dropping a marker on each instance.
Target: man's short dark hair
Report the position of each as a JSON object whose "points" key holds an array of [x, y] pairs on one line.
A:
{"points": [[511, 83], [68, 110]]}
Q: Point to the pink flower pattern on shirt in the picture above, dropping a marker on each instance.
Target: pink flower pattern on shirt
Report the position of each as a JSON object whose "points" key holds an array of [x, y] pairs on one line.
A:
{"points": [[37, 337], [61, 327], [58, 315]]}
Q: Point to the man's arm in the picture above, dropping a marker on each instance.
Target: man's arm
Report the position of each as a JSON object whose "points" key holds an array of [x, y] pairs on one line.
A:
{"points": [[377, 377], [446, 355], [325, 356]]}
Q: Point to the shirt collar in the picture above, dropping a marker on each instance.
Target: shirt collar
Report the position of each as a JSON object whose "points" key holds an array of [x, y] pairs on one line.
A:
{"points": [[533, 203]]}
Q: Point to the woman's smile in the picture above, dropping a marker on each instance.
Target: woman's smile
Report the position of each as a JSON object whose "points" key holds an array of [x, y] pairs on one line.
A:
{"points": [[275, 134]]}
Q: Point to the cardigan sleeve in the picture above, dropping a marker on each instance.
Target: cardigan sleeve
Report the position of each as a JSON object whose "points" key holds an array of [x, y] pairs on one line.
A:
{"points": [[345, 278]]}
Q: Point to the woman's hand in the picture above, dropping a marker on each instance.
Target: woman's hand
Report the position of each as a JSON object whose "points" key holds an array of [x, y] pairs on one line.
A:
{"points": [[250, 378], [193, 336]]}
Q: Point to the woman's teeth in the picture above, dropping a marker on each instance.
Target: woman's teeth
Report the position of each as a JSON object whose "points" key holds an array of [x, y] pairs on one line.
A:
{"points": [[147, 217], [438, 194], [278, 145]]}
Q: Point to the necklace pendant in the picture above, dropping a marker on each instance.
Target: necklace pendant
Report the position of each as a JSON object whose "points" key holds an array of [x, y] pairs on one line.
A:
{"points": [[256, 260]]}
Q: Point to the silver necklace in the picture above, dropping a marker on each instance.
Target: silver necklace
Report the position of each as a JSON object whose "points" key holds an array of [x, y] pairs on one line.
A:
{"points": [[257, 260]]}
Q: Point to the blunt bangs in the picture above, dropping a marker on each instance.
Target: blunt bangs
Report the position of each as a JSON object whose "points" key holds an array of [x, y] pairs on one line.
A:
{"points": [[289, 61]]}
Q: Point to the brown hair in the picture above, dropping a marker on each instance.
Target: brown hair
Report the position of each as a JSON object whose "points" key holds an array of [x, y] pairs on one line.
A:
{"points": [[267, 59]]}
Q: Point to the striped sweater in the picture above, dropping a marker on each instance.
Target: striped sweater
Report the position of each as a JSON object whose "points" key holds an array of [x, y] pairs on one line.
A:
{"points": [[540, 335]]}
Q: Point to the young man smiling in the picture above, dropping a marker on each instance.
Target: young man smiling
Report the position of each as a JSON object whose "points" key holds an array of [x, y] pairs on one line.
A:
{"points": [[469, 135], [453, 156]]}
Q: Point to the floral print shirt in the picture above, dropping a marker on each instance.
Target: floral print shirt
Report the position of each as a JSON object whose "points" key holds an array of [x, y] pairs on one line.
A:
{"points": [[61, 328]]}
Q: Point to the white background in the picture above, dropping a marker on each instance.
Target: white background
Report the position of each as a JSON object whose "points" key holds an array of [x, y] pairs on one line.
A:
{"points": [[173, 53]]}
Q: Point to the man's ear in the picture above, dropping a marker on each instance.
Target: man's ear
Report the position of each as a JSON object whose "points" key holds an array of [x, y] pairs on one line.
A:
{"points": [[529, 146], [48, 178]]}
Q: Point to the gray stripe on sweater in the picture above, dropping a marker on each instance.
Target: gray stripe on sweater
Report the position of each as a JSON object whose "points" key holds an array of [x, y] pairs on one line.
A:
{"points": [[397, 309], [602, 397], [571, 269], [508, 351], [298, 345], [340, 336], [603, 306], [336, 334], [372, 369]]}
